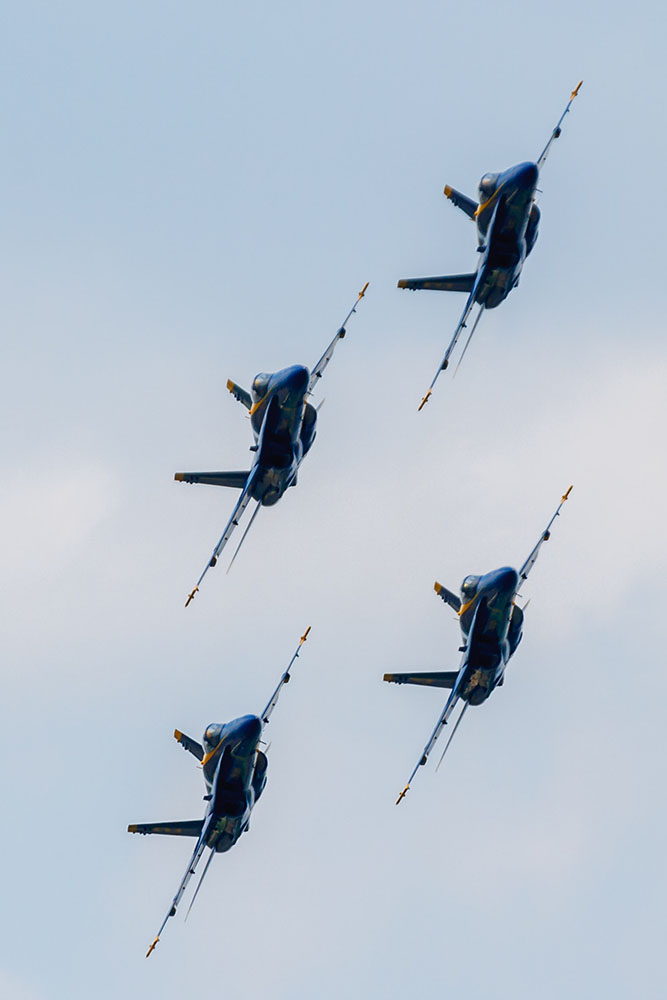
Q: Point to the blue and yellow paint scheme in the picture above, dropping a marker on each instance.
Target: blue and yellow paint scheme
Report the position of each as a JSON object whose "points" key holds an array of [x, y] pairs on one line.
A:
{"points": [[234, 769], [283, 423], [491, 625], [507, 221]]}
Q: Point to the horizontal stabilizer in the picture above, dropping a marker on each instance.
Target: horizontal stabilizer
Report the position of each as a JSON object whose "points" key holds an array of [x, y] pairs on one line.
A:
{"points": [[196, 749], [186, 828], [447, 596], [446, 283], [438, 679], [242, 395], [236, 480], [461, 201]]}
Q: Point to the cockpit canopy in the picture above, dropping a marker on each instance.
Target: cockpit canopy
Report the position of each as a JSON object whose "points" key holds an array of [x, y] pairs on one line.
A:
{"points": [[260, 384], [469, 587], [487, 187], [212, 735]]}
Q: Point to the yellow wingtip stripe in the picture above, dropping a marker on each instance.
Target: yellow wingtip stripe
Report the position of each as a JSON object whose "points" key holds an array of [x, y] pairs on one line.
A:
{"points": [[403, 794], [424, 401]]}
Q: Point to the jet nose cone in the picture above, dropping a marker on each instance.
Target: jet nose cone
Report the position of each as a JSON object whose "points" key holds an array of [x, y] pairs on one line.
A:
{"points": [[298, 377], [507, 578], [527, 174], [249, 728]]}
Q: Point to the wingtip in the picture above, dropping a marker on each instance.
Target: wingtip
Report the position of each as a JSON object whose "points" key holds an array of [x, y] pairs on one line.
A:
{"points": [[447, 191], [402, 283], [424, 401], [179, 477], [152, 947], [191, 596], [132, 828], [402, 795], [437, 587], [576, 90], [363, 290], [567, 493], [230, 385], [305, 635], [178, 735]]}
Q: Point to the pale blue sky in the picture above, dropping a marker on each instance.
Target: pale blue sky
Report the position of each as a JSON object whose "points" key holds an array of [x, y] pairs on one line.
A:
{"points": [[196, 192]]}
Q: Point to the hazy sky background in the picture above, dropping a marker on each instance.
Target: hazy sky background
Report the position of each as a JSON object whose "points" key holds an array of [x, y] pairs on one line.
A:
{"points": [[197, 191]]}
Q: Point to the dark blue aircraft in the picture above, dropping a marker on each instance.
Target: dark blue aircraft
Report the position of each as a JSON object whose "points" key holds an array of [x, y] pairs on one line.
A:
{"points": [[234, 770], [491, 627], [507, 222], [283, 424]]}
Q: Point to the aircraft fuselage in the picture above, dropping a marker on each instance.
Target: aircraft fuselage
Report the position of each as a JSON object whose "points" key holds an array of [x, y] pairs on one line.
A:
{"points": [[235, 776], [283, 424], [491, 626], [507, 227]]}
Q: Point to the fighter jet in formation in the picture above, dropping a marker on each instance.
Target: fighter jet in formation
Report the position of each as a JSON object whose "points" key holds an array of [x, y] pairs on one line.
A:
{"points": [[491, 627], [283, 424], [234, 771], [507, 223]]}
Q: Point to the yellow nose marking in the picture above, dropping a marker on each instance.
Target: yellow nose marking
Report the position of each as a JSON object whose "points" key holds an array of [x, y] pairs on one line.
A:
{"points": [[464, 607], [210, 754], [256, 406], [480, 208]]}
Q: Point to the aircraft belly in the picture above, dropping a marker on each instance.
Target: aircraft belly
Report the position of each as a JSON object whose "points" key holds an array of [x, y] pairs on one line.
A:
{"points": [[272, 481], [512, 218], [227, 831], [501, 281], [479, 686]]}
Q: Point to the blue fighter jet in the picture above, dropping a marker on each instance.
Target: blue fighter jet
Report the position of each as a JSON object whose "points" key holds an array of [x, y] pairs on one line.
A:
{"points": [[507, 223], [283, 424], [491, 627], [234, 770]]}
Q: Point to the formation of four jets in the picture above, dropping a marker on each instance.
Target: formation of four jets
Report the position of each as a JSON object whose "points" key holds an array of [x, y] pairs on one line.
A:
{"points": [[283, 422]]}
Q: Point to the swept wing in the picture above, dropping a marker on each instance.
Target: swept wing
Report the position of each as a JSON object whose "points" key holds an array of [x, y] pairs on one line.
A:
{"points": [[189, 872], [556, 132], [544, 537], [457, 333], [237, 513], [318, 370], [273, 700], [440, 725]]}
